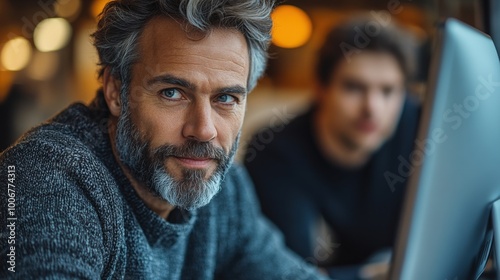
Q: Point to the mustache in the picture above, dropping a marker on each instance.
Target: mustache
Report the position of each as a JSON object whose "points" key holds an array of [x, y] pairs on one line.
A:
{"points": [[191, 149]]}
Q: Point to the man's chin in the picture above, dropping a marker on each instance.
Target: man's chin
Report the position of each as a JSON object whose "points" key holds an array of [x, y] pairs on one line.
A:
{"points": [[190, 192], [370, 147], [366, 143]]}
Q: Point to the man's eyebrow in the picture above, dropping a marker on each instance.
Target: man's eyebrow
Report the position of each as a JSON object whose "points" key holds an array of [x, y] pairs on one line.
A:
{"points": [[170, 79], [173, 80], [233, 89]]}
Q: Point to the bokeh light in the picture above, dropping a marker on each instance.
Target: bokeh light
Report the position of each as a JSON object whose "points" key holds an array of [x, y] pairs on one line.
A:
{"points": [[292, 27], [52, 34], [16, 54], [69, 9]]}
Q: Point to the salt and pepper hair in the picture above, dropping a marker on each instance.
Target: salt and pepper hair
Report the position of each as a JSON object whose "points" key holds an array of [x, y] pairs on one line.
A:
{"points": [[122, 21]]}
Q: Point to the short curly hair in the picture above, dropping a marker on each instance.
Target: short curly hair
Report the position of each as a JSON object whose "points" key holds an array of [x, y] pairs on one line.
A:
{"points": [[344, 40]]}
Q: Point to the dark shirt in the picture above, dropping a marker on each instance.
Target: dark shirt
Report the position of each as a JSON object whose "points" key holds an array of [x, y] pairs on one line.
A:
{"points": [[297, 185]]}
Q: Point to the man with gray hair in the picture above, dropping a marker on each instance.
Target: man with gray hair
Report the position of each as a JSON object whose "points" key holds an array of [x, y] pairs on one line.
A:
{"points": [[140, 184]]}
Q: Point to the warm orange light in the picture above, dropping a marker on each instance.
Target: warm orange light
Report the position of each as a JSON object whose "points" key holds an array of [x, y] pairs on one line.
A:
{"points": [[52, 34], [68, 9], [15, 54], [292, 27], [98, 6]]}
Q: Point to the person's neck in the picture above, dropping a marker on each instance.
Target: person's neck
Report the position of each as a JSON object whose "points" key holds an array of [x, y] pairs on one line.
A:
{"points": [[153, 202], [333, 148]]}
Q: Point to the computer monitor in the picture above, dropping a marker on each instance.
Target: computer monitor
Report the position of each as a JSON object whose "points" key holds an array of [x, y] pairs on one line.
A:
{"points": [[455, 175]]}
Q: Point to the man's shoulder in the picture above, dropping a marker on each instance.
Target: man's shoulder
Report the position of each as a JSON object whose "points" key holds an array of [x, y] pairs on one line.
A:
{"points": [[70, 133], [52, 156], [45, 142], [67, 201], [53, 164]]}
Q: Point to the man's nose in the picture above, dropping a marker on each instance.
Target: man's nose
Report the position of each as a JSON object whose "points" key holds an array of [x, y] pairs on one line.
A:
{"points": [[199, 122], [374, 102]]}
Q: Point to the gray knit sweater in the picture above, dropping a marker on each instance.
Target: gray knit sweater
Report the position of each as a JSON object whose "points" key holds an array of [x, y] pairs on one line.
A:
{"points": [[74, 215]]}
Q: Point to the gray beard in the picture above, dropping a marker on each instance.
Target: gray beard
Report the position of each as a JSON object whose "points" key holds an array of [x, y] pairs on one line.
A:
{"points": [[148, 166]]}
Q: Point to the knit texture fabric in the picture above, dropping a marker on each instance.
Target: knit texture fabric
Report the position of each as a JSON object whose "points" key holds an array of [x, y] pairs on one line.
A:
{"points": [[78, 217]]}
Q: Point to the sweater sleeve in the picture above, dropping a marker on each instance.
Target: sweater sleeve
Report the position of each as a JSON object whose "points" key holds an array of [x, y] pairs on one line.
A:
{"points": [[53, 228], [260, 250]]}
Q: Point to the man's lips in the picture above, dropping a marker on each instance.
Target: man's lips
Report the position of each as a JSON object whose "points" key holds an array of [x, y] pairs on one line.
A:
{"points": [[366, 126], [194, 162]]}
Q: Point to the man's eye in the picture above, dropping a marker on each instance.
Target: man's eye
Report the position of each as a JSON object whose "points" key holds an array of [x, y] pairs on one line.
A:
{"points": [[353, 87], [226, 98], [388, 91], [171, 93]]}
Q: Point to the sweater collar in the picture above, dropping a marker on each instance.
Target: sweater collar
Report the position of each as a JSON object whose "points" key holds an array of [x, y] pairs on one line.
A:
{"points": [[158, 231]]}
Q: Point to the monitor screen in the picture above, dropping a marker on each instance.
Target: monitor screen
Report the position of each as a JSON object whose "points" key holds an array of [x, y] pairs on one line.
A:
{"points": [[455, 174]]}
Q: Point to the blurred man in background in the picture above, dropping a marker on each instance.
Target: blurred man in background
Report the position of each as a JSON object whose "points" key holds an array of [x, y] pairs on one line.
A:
{"points": [[333, 162]]}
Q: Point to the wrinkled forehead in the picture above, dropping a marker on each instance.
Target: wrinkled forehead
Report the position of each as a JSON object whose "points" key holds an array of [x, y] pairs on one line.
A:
{"points": [[372, 67], [168, 41]]}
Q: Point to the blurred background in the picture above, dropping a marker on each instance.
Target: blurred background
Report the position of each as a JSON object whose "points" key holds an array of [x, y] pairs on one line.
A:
{"points": [[47, 60]]}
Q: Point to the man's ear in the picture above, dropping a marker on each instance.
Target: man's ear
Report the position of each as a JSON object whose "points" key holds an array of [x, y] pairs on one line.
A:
{"points": [[111, 88]]}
